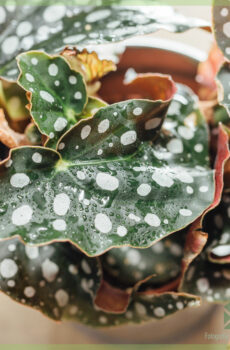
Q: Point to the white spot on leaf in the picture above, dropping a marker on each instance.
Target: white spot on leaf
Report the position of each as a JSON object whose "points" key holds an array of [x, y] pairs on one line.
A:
{"points": [[61, 204], [59, 225], [22, 215], [103, 126], [152, 220], [60, 124], [103, 223], [46, 96], [53, 69], [175, 146], [85, 131], [98, 15], [19, 180], [37, 157], [128, 137], [185, 212], [54, 13], [8, 268], [32, 252], [121, 231], [29, 292], [62, 297], [107, 182], [49, 270], [144, 190]]}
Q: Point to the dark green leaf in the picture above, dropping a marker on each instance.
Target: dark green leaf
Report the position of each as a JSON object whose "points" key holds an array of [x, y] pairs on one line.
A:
{"points": [[208, 280], [58, 94], [56, 279], [109, 187], [125, 267], [220, 115], [61, 282], [52, 28], [217, 224], [224, 87], [221, 25]]}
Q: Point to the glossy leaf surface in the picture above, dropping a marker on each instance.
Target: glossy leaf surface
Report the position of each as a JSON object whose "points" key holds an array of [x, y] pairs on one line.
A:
{"points": [[105, 187], [61, 282], [51, 28]]}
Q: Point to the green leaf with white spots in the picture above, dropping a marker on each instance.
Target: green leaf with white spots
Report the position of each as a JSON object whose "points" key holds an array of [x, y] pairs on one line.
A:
{"points": [[109, 185], [208, 280], [220, 115], [61, 282], [51, 28], [217, 224], [125, 267], [221, 25], [92, 106], [209, 274], [146, 308], [58, 94], [224, 87], [56, 279]]}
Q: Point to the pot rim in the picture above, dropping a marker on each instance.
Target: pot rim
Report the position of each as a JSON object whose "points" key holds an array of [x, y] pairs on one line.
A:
{"points": [[180, 48]]}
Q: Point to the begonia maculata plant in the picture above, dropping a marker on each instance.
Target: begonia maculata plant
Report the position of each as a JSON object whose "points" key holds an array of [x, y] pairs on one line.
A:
{"points": [[111, 214]]}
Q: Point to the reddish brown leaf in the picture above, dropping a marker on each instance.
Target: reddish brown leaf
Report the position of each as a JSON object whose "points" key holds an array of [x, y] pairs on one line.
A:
{"points": [[9, 137], [111, 299], [89, 65]]}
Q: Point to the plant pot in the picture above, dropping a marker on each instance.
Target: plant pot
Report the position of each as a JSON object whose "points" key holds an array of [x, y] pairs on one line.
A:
{"points": [[153, 56], [180, 61]]}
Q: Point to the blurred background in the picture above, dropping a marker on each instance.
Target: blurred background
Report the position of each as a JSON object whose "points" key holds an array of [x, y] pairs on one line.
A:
{"points": [[22, 325]]}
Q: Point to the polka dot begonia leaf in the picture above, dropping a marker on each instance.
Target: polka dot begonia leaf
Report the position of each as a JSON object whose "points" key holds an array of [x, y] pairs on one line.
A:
{"points": [[203, 233], [217, 224], [53, 27], [61, 282], [56, 279], [58, 97], [126, 267], [221, 25], [224, 87], [110, 185], [208, 280]]}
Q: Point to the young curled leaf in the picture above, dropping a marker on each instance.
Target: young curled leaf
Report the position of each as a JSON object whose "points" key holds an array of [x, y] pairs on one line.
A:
{"points": [[89, 65], [53, 27], [8, 136]]}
